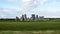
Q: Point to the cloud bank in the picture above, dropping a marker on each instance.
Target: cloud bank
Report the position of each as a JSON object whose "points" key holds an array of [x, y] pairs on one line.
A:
{"points": [[30, 7]]}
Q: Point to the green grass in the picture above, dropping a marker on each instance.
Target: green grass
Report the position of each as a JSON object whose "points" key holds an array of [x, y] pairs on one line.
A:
{"points": [[31, 32], [29, 25]]}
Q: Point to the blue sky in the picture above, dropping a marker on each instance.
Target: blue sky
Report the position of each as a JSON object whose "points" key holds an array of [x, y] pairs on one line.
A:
{"points": [[13, 8]]}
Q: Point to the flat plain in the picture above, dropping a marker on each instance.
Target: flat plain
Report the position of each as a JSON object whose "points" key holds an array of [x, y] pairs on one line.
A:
{"points": [[29, 27]]}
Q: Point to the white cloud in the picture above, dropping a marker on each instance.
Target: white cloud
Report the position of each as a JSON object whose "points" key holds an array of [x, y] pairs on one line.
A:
{"points": [[29, 5], [6, 12], [42, 1], [11, 0], [26, 0]]}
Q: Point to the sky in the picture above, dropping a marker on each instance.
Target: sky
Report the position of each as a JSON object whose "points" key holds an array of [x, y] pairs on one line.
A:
{"points": [[13, 8]]}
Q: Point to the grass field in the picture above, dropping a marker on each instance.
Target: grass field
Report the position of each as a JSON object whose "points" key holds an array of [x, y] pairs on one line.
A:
{"points": [[30, 32], [29, 26]]}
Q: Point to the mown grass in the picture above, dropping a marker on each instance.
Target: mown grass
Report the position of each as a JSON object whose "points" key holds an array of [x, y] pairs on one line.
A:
{"points": [[29, 25]]}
